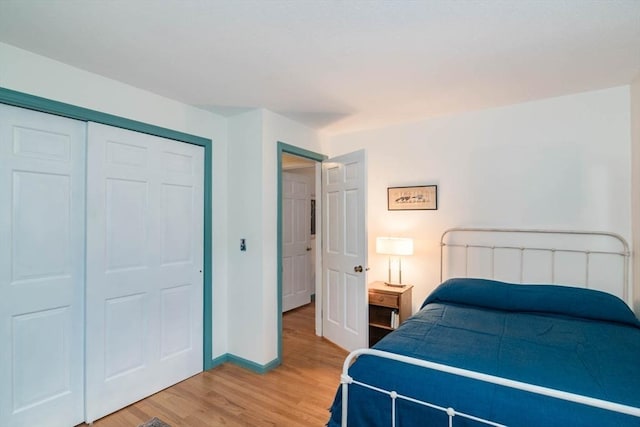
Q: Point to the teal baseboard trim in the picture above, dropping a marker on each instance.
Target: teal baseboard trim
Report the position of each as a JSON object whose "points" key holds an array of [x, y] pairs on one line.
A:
{"points": [[244, 363], [272, 365], [252, 366], [217, 361]]}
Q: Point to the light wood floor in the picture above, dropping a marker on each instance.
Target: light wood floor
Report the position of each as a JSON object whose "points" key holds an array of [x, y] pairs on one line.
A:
{"points": [[297, 393]]}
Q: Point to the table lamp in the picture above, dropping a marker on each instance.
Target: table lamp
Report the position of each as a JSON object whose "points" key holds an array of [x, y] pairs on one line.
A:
{"points": [[394, 246]]}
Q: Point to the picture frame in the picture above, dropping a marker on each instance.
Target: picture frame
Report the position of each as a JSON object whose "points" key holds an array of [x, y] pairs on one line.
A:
{"points": [[422, 197], [313, 217]]}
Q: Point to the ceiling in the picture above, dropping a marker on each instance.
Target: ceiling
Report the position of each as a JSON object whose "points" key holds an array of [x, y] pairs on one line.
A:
{"points": [[339, 66], [290, 161]]}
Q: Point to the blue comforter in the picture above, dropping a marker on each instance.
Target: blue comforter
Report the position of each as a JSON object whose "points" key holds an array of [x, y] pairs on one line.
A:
{"points": [[570, 339]]}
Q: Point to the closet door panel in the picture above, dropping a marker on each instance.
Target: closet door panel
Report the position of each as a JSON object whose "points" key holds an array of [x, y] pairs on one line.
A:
{"points": [[42, 160], [144, 263]]}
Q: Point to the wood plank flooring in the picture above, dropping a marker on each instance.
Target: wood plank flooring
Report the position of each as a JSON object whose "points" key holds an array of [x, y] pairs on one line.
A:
{"points": [[297, 393]]}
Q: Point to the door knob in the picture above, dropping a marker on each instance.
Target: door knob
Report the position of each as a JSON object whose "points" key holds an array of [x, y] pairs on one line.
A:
{"points": [[357, 269], [308, 249]]}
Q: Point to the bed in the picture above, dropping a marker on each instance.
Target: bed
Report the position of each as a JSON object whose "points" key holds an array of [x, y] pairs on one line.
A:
{"points": [[524, 352]]}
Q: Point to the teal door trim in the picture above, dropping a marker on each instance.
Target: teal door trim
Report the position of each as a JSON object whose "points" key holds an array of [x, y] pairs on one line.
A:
{"points": [[300, 152], [31, 102]]}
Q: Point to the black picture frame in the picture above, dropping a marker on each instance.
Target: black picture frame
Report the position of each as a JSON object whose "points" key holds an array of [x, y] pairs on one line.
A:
{"points": [[413, 198], [313, 217]]}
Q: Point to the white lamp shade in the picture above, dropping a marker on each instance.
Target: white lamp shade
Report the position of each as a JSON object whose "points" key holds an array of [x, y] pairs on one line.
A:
{"points": [[394, 245]]}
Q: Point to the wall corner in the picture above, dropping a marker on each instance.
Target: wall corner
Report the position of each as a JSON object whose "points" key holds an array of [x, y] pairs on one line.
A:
{"points": [[635, 191]]}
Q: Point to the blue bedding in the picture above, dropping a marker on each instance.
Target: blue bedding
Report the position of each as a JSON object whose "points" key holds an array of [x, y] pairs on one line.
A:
{"points": [[577, 340]]}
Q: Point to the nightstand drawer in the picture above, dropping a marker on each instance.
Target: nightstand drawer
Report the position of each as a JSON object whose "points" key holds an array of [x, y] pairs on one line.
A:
{"points": [[384, 300]]}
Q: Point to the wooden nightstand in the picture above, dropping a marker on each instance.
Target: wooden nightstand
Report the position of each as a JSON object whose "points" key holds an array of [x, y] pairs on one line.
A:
{"points": [[387, 305]]}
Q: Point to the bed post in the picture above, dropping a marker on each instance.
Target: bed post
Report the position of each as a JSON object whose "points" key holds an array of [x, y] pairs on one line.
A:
{"points": [[345, 403]]}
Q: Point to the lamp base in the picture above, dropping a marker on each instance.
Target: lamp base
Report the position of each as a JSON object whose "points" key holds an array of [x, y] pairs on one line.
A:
{"points": [[395, 285]]}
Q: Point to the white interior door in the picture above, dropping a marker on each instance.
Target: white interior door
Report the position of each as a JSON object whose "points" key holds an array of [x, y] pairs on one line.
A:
{"points": [[41, 269], [296, 234], [345, 250], [144, 266]]}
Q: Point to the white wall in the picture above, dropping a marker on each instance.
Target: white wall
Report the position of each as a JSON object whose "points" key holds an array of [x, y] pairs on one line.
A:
{"points": [[276, 128], [245, 293], [27, 72], [36, 75], [252, 214], [635, 187], [556, 163], [561, 162], [244, 187]]}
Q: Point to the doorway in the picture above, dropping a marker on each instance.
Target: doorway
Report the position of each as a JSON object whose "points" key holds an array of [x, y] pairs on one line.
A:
{"points": [[305, 162], [298, 231], [341, 248]]}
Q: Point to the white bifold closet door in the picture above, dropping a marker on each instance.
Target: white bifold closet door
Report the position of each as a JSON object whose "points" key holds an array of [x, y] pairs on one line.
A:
{"points": [[42, 190], [144, 266]]}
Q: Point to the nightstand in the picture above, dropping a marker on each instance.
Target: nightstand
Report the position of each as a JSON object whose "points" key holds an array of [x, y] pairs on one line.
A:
{"points": [[389, 306]]}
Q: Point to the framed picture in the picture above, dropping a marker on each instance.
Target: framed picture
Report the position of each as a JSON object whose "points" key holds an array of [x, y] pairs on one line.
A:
{"points": [[313, 217], [424, 197]]}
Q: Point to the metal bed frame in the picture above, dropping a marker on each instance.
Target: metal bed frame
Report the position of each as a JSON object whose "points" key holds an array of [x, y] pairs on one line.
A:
{"points": [[623, 252], [594, 250]]}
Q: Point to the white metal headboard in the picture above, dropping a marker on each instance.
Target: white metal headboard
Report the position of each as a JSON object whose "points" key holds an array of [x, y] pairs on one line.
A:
{"points": [[596, 260]]}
